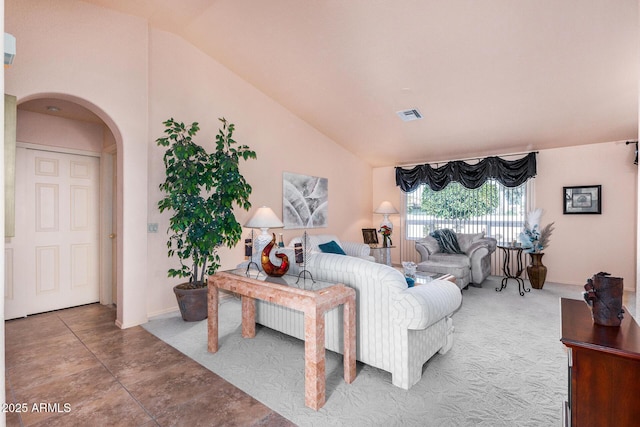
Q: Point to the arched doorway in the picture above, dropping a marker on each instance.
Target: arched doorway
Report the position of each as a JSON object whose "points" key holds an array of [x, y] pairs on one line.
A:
{"points": [[66, 180]]}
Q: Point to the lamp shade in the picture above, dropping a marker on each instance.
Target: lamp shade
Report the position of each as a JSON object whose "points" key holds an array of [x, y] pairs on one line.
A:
{"points": [[264, 218], [386, 208]]}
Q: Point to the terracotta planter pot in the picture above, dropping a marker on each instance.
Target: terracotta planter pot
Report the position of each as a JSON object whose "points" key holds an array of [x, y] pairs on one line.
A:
{"points": [[192, 303], [537, 271]]}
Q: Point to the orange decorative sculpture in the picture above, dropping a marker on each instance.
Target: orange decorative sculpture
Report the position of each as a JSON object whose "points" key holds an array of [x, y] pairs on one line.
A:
{"points": [[268, 266]]}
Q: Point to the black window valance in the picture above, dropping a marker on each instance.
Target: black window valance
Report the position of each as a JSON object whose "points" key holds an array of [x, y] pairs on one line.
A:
{"points": [[510, 173]]}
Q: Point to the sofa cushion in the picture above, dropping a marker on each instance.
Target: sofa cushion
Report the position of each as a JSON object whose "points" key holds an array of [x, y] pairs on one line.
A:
{"points": [[331, 248], [431, 244], [447, 241], [454, 259], [466, 240]]}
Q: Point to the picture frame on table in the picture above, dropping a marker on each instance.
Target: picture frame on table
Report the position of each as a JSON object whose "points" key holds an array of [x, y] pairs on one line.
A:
{"points": [[582, 199], [370, 236]]}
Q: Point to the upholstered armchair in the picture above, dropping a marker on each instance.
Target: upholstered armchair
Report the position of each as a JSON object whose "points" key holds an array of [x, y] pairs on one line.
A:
{"points": [[473, 265]]}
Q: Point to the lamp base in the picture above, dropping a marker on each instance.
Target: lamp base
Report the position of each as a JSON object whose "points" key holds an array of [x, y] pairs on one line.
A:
{"points": [[386, 222]]}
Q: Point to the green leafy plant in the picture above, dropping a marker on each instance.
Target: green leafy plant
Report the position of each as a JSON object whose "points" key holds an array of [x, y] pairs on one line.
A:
{"points": [[202, 189], [454, 202]]}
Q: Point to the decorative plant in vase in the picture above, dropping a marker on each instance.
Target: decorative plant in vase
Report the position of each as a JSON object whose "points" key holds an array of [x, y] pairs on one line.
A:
{"points": [[386, 235], [201, 190], [534, 239]]}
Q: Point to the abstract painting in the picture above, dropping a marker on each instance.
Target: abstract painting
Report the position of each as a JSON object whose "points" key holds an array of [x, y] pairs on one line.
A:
{"points": [[304, 201]]}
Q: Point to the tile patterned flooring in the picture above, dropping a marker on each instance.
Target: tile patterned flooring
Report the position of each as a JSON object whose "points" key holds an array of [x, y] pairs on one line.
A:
{"points": [[109, 376]]}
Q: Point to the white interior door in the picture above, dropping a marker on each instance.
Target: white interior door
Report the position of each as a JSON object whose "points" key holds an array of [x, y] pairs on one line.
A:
{"points": [[54, 256]]}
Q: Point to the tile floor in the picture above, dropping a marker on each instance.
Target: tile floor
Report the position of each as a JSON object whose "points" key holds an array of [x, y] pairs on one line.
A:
{"points": [[86, 371]]}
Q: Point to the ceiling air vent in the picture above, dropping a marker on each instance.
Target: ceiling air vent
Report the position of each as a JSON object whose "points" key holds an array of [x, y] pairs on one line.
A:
{"points": [[409, 115]]}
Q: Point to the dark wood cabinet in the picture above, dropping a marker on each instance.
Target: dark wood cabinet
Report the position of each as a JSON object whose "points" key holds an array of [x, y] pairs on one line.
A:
{"points": [[604, 368]]}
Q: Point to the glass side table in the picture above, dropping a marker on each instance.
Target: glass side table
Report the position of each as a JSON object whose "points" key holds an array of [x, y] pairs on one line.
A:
{"points": [[382, 254]]}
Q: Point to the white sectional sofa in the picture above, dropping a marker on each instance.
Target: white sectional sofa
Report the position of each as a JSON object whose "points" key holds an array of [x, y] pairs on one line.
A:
{"points": [[398, 328], [358, 250]]}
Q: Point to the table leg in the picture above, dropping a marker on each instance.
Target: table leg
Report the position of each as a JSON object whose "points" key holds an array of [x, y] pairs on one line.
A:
{"points": [[212, 319], [349, 328], [248, 317], [506, 269], [314, 362], [521, 287], [503, 284]]}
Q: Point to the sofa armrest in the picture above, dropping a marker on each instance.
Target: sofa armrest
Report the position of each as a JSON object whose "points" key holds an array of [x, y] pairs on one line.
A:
{"points": [[478, 249], [360, 250], [491, 242], [421, 306], [427, 247]]}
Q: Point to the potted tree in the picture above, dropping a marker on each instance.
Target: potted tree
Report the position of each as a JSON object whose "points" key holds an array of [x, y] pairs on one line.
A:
{"points": [[201, 190]]}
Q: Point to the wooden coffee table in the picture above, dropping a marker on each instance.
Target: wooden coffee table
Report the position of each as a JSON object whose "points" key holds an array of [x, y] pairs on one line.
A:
{"points": [[313, 303]]}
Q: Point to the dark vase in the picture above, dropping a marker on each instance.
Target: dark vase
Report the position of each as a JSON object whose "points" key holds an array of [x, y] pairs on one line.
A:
{"points": [[536, 271], [385, 241]]}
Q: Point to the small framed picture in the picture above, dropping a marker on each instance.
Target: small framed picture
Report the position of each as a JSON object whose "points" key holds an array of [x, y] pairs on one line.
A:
{"points": [[370, 236], [583, 199]]}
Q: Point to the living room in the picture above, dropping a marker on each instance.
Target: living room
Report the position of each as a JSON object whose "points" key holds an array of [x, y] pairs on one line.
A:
{"points": [[125, 49], [135, 75]]}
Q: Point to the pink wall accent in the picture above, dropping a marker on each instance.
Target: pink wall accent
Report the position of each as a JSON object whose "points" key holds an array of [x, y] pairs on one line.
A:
{"points": [[53, 131], [135, 77], [97, 58], [583, 245], [283, 143]]}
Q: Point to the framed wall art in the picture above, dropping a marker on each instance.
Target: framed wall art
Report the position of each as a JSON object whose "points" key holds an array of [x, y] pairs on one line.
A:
{"points": [[370, 236], [583, 199], [305, 201]]}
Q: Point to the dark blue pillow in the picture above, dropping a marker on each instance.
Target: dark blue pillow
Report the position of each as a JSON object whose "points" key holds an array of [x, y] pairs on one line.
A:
{"points": [[331, 248]]}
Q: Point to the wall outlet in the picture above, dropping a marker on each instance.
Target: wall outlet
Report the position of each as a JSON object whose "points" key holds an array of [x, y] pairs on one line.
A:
{"points": [[152, 227]]}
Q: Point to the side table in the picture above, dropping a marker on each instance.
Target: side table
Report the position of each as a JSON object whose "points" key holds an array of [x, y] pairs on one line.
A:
{"points": [[313, 303], [382, 254], [506, 268]]}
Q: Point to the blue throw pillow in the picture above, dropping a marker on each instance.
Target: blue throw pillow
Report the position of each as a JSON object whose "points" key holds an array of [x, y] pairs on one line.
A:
{"points": [[410, 282], [331, 248], [447, 240]]}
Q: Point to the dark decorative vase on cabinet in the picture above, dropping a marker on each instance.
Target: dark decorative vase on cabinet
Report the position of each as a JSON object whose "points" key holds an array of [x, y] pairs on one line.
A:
{"points": [[536, 271]]}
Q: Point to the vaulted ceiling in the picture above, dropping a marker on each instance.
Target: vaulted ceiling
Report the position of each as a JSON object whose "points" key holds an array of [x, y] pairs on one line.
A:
{"points": [[489, 77]]}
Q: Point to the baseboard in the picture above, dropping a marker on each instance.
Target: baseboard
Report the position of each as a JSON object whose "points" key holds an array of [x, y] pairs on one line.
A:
{"points": [[222, 295]]}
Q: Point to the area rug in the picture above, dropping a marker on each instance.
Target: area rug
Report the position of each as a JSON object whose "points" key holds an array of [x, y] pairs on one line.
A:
{"points": [[507, 366]]}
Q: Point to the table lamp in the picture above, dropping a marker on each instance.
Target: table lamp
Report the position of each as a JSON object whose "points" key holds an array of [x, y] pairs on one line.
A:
{"points": [[386, 209], [264, 219]]}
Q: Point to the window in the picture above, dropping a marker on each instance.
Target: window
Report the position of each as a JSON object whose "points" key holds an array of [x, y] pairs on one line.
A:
{"points": [[497, 210]]}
